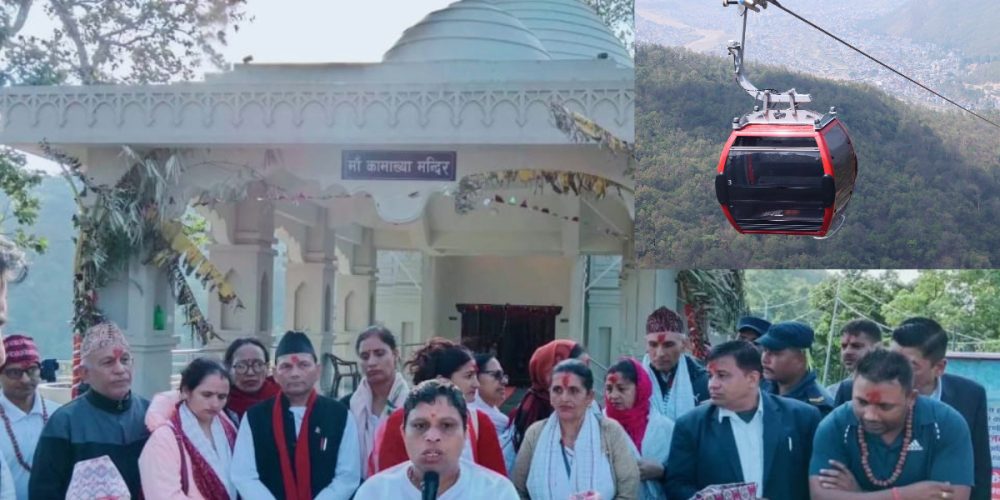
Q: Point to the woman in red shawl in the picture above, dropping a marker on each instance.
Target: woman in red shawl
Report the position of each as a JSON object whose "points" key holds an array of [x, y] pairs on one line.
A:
{"points": [[247, 360], [535, 404], [627, 389]]}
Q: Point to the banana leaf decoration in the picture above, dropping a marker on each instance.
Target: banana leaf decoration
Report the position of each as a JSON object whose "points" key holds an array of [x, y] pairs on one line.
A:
{"points": [[179, 245]]}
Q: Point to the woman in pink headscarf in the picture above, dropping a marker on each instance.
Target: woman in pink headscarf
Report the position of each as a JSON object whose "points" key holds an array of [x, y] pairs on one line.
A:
{"points": [[627, 388]]}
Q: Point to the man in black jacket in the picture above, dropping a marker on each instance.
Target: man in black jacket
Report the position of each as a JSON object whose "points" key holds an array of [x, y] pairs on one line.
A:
{"points": [[925, 344], [744, 436]]}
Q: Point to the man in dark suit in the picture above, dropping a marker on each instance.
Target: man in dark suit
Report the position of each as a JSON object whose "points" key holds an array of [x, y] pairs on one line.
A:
{"points": [[925, 344], [744, 435]]}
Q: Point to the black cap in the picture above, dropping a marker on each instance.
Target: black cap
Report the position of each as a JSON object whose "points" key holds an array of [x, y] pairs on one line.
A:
{"points": [[754, 323], [787, 334], [293, 342]]}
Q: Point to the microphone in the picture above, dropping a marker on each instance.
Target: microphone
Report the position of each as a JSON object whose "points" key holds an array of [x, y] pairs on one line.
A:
{"points": [[430, 490]]}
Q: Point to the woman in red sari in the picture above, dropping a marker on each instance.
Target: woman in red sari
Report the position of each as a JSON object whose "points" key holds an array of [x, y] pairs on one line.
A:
{"points": [[191, 446]]}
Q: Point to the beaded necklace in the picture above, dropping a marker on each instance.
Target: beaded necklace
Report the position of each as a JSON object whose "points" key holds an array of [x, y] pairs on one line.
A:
{"points": [[13, 440], [907, 437]]}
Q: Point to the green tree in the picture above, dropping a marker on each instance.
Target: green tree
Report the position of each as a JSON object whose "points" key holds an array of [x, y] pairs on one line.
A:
{"points": [[108, 41]]}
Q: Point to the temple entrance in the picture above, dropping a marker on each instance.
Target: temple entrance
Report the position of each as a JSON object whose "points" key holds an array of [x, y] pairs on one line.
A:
{"points": [[513, 332]]}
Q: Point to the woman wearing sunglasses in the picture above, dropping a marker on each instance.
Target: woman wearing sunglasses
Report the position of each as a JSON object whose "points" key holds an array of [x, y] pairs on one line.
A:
{"points": [[489, 397]]}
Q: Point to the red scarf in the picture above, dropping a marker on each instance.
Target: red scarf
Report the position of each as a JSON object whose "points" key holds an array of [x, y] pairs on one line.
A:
{"points": [[536, 406], [634, 419], [205, 478], [239, 401], [298, 483]]}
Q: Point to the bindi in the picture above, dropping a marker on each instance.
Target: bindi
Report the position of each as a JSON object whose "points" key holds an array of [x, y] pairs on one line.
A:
{"points": [[613, 378], [564, 381], [874, 397]]}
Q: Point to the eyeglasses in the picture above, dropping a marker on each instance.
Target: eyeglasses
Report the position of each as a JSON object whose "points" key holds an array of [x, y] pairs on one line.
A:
{"points": [[257, 366], [498, 375], [17, 373]]}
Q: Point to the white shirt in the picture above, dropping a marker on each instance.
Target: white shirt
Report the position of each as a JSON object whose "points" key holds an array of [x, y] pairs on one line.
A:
{"points": [[6, 482], [749, 439], [346, 478], [936, 395], [27, 428], [474, 481]]}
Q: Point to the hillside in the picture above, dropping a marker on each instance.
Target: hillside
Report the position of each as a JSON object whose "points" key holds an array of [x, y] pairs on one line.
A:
{"points": [[968, 26], [925, 196]]}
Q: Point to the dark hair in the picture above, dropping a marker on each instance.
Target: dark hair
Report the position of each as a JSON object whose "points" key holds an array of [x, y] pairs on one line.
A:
{"points": [[867, 327], [437, 358], [576, 367], [747, 356], [379, 331], [626, 369], [482, 358], [664, 320], [883, 365], [924, 334], [429, 391], [576, 351], [240, 342], [196, 371]]}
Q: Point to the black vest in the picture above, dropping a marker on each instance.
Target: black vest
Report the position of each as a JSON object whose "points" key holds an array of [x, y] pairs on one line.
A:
{"points": [[328, 416]]}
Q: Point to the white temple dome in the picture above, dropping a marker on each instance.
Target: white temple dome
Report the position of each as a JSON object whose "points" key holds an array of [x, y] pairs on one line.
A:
{"points": [[569, 29], [468, 30]]}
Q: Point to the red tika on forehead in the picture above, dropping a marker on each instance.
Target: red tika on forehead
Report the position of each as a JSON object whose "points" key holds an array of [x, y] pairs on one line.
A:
{"points": [[712, 366], [661, 338], [295, 359], [613, 378], [118, 351], [874, 397], [564, 380]]}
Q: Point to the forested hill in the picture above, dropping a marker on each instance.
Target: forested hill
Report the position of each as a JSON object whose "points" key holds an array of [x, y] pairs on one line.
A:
{"points": [[927, 188]]}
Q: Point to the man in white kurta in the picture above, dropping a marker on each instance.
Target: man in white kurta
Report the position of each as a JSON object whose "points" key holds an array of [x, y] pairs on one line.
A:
{"points": [[23, 412], [434, 429]]}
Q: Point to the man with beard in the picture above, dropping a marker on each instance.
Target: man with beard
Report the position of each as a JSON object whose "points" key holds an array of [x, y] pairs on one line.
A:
{"points": [[889, 442], [857, 338], [744, 436], [434, 428], [679, 382], [786, 365], [107, 420], [924, 343], [297, 445], [23, 410]]}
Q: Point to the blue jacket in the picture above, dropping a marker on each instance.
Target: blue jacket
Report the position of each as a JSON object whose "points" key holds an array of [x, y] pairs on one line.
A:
{"points": [[808, 391], [703, 451]]}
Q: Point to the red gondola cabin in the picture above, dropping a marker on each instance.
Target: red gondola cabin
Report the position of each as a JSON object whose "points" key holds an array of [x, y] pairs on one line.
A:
{"points": [[786, 178]]}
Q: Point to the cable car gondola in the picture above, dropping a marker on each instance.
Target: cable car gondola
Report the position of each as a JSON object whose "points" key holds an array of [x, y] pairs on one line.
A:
{"points": [[784, 170]]}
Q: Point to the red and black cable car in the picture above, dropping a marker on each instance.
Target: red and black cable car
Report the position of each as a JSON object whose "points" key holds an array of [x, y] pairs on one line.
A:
{"points": [[784, 170], [786, 176]]}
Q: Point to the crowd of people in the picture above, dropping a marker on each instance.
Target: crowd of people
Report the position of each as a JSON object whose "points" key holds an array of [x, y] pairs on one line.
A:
{"points": [[749, 421]]}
